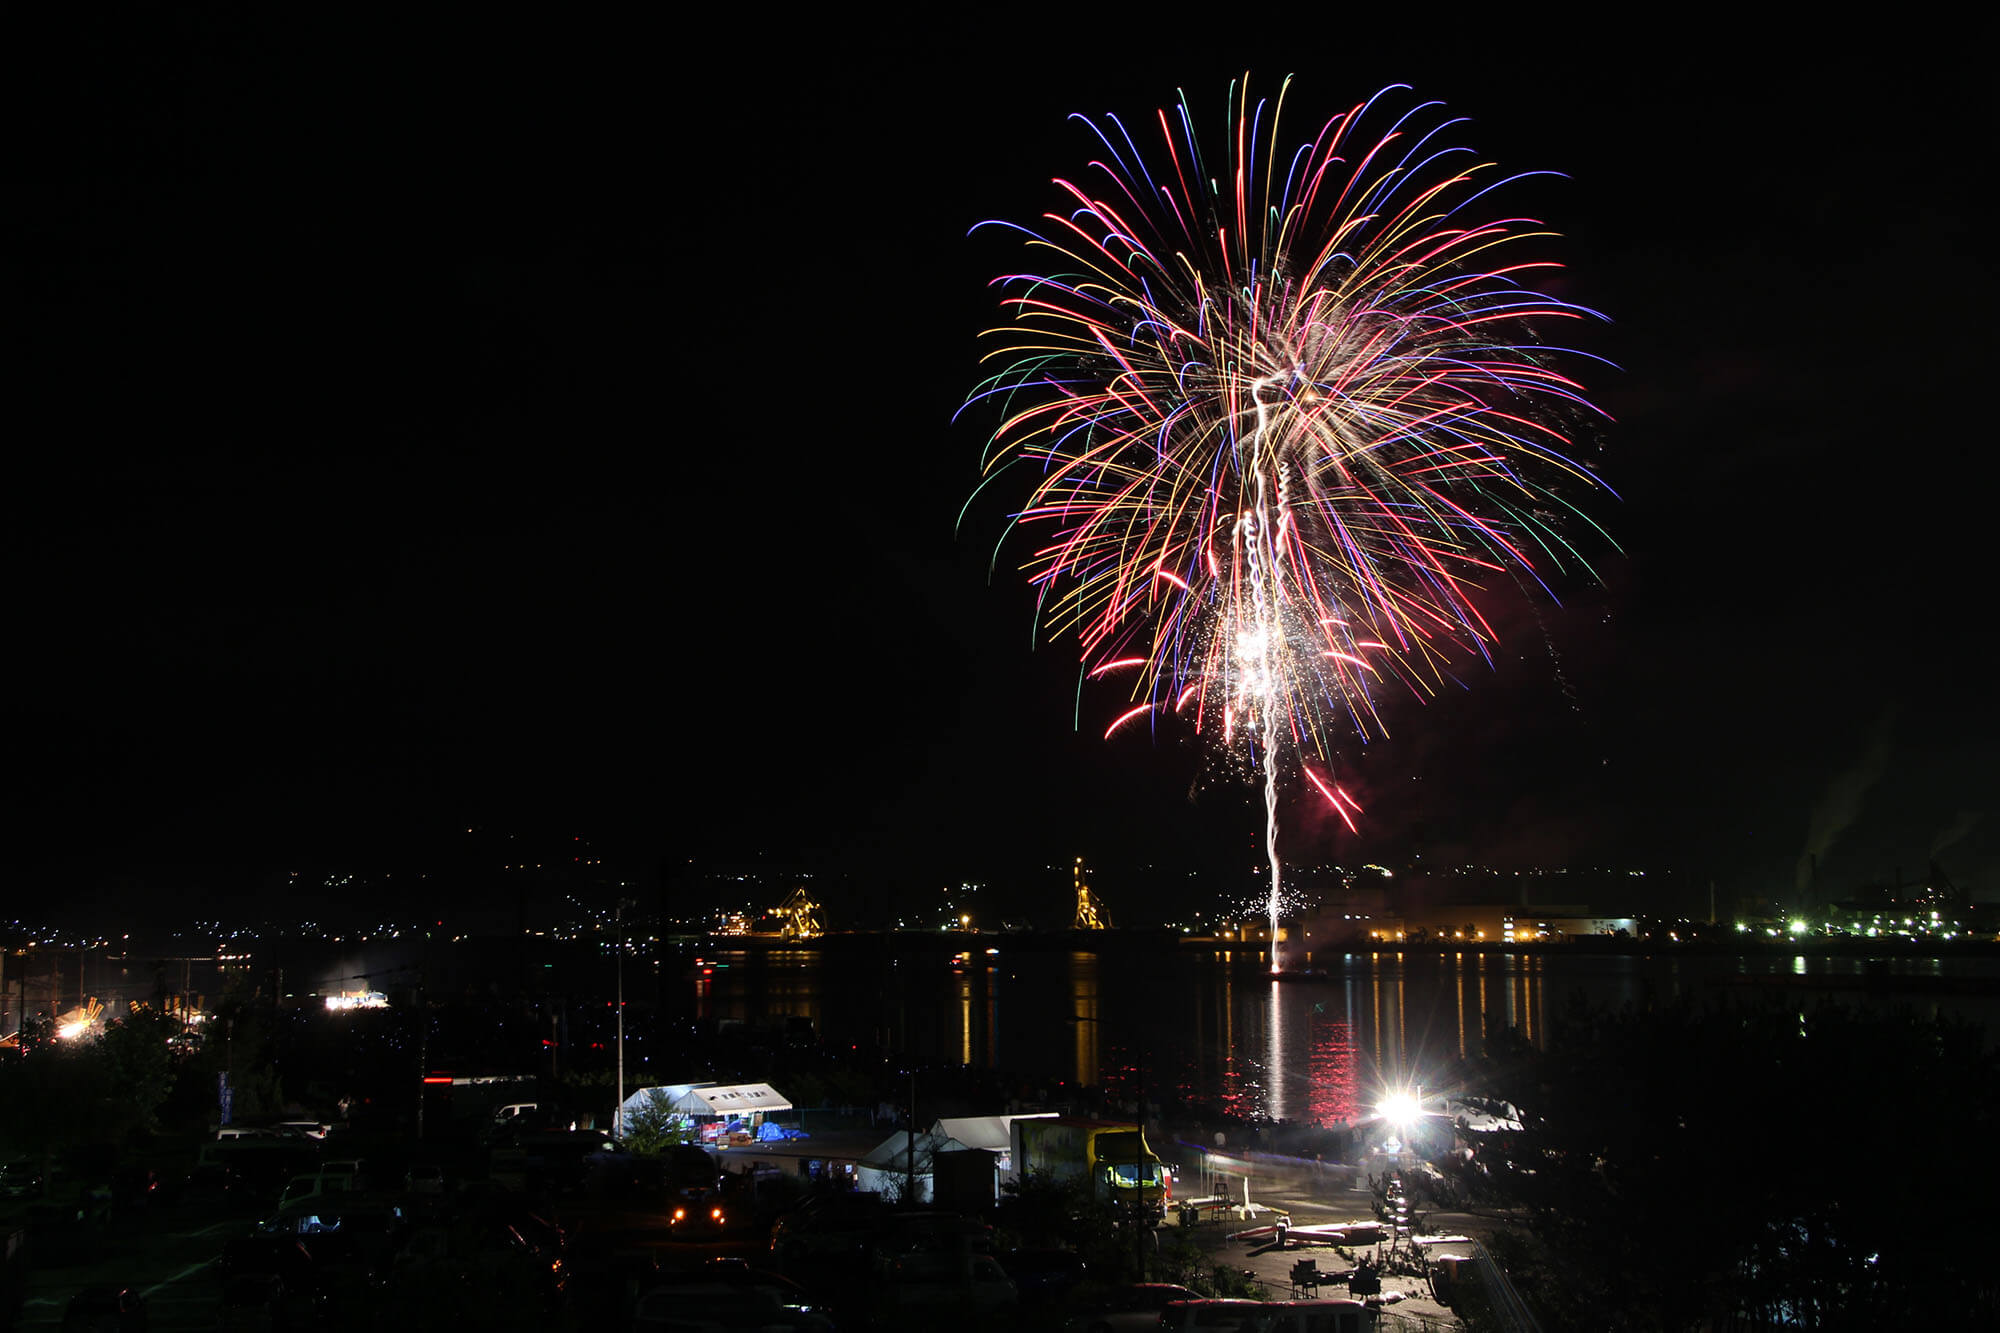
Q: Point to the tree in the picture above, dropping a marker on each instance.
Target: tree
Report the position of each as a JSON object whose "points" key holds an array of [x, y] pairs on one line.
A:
{"points": [[652, 1126], [139, 1067], [1688, 1166], [90, 1091]]}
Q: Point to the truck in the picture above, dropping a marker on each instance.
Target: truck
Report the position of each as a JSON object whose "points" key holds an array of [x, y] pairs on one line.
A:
{"points": [[545, 1161], [1111, 1159]]}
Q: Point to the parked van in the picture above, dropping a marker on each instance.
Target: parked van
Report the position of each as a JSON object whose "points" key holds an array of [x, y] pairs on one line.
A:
{"points": [[1242, 1316], [1210, 1312]]}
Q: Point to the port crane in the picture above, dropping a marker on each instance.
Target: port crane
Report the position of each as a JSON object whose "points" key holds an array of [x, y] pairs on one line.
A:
{"points": [[798, 916], [1090, 913]]}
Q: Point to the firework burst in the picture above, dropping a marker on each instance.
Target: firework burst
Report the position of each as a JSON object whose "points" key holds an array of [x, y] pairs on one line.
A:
{"points": [[1288, 416]]}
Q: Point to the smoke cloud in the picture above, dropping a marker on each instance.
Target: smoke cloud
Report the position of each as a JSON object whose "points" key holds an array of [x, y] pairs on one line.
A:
{"points": [[1956, 831], [1841, 801]]}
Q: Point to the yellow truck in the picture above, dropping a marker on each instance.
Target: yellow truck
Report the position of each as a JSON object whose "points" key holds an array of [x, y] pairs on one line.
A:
{"points": [[1113, 1159]]}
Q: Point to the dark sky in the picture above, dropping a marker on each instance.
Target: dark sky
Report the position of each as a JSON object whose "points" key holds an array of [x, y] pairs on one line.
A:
{"points": [[549, 426]]}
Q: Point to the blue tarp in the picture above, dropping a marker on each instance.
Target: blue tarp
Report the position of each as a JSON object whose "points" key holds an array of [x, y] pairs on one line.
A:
{"points": [[770, 1133]]}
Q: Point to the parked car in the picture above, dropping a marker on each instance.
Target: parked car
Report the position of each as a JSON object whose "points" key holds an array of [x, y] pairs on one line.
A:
{"points": [[1132, 1307], [297, 1189], [1044, 1275], [605, 1286], [347, 1261], [1319, 1316], [61, 1234], [268, 1282], [211, 1184], [20, 1179], [930, 1283], [727, 1294], [697, 1213], [136, 1185], [105, 1309], [1213, 1312], [828, 1236], [253, 1302], [484, 1253]]}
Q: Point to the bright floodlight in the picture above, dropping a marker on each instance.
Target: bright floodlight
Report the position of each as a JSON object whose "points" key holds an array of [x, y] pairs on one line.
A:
{"points": [[1400, 1109]]}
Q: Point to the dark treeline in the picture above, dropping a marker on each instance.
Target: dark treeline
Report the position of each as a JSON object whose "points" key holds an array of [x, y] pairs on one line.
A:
{"points": [[1744, 1166]]}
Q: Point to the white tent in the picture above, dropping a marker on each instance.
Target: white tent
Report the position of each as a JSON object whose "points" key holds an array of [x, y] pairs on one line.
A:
{"points": [[730, 1100], [888, 1168], [993, 1133], [699, 1102]]}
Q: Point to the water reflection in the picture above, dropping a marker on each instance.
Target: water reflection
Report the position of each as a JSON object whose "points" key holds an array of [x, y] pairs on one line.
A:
{"points": [[1277, 1104], [1084, 1018], [1236, 1091], [1215, 1028], [1332, 1069], [964, 1017]]}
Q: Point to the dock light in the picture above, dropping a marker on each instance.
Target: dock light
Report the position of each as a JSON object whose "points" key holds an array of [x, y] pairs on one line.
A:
{"points": [[1401, 1109]]}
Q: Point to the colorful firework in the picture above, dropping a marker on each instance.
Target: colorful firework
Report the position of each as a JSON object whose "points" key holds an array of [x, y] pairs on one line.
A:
{"points": [[1288, 416]]}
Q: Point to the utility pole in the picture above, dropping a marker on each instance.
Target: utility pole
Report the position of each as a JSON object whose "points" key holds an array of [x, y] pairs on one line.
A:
{"points": [[618, 1114], [423, 1031], [423, 1052], [1139, 1227], [910, 1160]]}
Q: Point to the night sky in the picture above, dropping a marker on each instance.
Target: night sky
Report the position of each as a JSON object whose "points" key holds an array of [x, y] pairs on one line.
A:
{"points": [[549, 428]]}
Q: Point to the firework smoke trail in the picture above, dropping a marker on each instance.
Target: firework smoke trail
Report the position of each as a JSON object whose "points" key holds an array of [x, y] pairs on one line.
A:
{"points": [[1260, 560], [1285, 415]]}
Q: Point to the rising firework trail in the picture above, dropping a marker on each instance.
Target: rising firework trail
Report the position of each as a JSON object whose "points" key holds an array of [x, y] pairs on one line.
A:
{"points": [[1286, 417]]}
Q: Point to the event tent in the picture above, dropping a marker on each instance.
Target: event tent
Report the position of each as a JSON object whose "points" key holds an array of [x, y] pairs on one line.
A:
{"points": [[710, 1103]]}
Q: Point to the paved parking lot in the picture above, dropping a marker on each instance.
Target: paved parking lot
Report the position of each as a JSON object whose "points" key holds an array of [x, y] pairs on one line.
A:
{"points": [[1310, 1201]]}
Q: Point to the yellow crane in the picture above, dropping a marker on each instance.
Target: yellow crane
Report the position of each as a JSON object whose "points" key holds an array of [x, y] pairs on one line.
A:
{"points": [[799, 916], [1090, 913]]}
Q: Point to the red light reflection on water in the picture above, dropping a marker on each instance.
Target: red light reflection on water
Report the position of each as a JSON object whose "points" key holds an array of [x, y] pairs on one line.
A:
{"points": [[1241, 1095], [1122, 1078], [1332, 1100]]}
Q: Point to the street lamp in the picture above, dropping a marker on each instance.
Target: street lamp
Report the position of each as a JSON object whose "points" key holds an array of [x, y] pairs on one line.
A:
{"points": [[1403, 1109]]}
